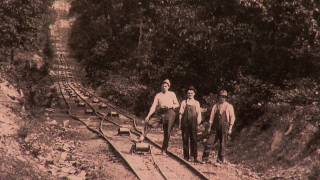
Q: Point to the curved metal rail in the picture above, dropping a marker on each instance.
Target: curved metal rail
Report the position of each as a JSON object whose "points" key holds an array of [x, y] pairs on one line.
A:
{"points": [[138, 132], [100, 134], [135, 131]]}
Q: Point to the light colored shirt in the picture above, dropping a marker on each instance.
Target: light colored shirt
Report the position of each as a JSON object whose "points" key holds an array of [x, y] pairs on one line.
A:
{"points": [[227, 112], [164, 100], [191, 102]]}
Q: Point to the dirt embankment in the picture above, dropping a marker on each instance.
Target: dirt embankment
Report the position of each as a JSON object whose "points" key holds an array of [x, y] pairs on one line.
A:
{"points": [[51, 145], [14, 164], [38, 140], [283, 143]]}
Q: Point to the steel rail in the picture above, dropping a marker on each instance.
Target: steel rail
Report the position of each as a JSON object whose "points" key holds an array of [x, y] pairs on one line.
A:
{"points": [[138, 132], [100, 134], [103, 118]]}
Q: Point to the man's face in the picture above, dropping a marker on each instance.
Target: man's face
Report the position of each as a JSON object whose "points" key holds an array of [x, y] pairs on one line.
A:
{"points": [[165, 87], [222, 99], [190, 94]]}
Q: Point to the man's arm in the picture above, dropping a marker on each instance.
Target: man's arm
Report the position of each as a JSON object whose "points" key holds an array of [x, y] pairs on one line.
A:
{"points": [[212, 117], [232, 118], [198, 109], [182, 108], [175, 101], [153, 107]]}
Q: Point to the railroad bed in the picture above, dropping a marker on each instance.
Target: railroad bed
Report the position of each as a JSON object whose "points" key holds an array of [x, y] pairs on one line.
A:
{"points": [[82, 103]]}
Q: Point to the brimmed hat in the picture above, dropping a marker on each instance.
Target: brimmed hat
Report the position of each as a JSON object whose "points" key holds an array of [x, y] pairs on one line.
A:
{"points": [[223, 93], [167, 81]]}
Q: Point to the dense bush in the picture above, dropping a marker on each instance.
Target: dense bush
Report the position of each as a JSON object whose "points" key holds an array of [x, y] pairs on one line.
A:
{"points": [[259, 44], [22, 22], [24, 27]]}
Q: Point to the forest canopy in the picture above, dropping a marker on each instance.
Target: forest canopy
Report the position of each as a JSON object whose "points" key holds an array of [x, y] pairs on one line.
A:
{"points": [[21, 23], [25, 47], [211, 44], [188, 41]]}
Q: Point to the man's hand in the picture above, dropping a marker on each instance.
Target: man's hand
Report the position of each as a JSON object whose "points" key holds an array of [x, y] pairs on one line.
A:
{"points": [[198, 121], [209, 130], [229, 132], [145, 120]]}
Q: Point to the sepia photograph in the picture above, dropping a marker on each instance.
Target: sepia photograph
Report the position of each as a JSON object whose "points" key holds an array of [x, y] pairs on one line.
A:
{"points": [[159, 89]]}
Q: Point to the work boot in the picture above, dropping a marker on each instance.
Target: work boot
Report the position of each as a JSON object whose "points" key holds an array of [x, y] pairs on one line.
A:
{"points": [[220, 161], [164, 153], [204, 161], [196, 161], [141, 138]]}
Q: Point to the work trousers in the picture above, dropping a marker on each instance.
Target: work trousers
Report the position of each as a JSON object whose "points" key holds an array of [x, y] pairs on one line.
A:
{"points": [[189, 132], [167, 118], [221, 137]]}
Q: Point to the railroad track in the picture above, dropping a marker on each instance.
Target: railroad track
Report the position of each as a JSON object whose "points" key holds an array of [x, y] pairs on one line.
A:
{"points": [[152, 165]]}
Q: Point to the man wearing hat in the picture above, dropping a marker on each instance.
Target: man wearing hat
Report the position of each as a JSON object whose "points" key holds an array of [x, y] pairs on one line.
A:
{"points": [[163, 111], [189, 119], [222, 118]]}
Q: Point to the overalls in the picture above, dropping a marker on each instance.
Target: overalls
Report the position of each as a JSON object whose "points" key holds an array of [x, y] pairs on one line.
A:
{"points": [[221, 127], [189, 131]]}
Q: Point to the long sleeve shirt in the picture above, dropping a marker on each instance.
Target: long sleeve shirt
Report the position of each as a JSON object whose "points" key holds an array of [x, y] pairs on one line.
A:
{"points": [[191, 102], [164, 100], [223, 108]]}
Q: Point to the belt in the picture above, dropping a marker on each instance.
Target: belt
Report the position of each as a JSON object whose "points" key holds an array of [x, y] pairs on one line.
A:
{"points": [[163, 110], [166, 108]]}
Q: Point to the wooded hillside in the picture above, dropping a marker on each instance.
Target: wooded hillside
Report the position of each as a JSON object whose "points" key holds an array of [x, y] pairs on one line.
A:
{"points": [[25, 48], [258, 50]]}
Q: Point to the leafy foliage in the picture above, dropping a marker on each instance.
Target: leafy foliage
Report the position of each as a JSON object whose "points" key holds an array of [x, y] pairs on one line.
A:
{"points": [[21, 22], [24, 29], [210, 44]]}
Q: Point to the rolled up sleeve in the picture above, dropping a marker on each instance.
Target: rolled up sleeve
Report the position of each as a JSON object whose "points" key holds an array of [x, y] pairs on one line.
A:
{"points": [[182, 107], [198, 109], [212, 114], [232, 117], [154, 105], [175, 101]]}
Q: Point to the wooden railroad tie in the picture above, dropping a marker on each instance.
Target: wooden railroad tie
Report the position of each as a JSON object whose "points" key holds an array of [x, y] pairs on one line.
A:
{"points": [[89, 111], [81, 104], [103, 106], [141, 148], [113, 114], [95, 100], [123, 131]]}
